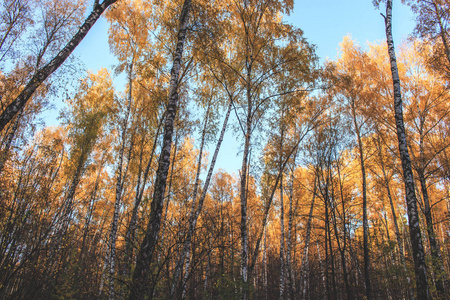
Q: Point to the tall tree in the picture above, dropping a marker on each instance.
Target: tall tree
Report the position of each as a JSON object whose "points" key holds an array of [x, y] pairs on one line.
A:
{"points": [[351, 82], [87, 119], [411, 200], [262, 47], [139, 287]]}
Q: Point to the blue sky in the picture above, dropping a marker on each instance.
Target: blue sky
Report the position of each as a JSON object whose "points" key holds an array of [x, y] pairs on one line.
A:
{"points": [[324, 22]]}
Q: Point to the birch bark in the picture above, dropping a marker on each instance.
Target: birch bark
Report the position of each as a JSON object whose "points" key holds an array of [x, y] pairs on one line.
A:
{"points": [[185, 258], [411, 200], [119, 187], [139, 286], [282, 261]]}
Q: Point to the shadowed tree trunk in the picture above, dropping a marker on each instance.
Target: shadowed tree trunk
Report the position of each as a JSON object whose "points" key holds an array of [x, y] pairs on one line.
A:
{"points": [[434, 247], [343, 249], [290, 263], [282, 261], [140, 187], [421, 168], [328, 207], [139, 285]]}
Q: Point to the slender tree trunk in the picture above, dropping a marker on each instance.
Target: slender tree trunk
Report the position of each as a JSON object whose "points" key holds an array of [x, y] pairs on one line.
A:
{"points": [[328, 294], [282, 262], [265, 265], [291, 280], [391, 203], [180, 262], [119, 186], [344, 237], [411, 201], [394, 217], [364, 195], [141, 273], [68, 203], [41, 75], [208, 270], [304, 267], [269, 203], [194, 215], [327, 208], [88, 219], [322, 272], [438, 268], [243, 193], [131, 231]]}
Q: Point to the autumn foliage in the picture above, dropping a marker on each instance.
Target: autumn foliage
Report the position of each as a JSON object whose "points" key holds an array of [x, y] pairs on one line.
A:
{"points": [[121, 198]]}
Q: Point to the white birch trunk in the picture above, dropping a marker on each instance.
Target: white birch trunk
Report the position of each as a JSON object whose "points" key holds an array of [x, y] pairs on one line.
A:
{"points": [[411, 200], [195, 212], [139, 286], [119, 186]]}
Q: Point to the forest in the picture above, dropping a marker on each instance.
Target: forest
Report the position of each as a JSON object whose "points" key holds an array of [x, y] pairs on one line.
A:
{"points": [[344, 186]]}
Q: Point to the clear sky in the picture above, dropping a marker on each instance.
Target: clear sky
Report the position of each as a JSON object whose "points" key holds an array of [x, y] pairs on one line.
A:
{"points": [[324, 22]]}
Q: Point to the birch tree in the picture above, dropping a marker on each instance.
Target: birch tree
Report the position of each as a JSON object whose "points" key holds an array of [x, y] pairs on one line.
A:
{"points": [[42, 73], [411, 200], [144, 258]]}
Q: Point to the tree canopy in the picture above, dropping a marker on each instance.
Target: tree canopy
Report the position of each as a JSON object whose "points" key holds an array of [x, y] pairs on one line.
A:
{"points": [[343, 190]]}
